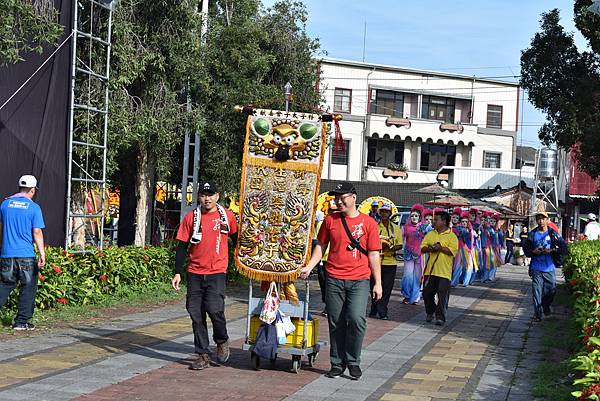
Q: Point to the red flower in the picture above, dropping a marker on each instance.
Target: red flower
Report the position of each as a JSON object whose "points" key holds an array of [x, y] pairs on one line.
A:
{"points": [[573, 282], [63, 301], [146, 258], [146, 247], [103, 277], [100, 254], [56, 269], [41, 277]]}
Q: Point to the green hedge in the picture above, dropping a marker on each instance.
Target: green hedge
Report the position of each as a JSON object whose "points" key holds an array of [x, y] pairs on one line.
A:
{"points": [[582, 271]]}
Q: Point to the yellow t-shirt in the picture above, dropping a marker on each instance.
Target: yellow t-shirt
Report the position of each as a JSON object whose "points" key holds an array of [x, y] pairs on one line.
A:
{"points": [[392, 234], [442, 263]]}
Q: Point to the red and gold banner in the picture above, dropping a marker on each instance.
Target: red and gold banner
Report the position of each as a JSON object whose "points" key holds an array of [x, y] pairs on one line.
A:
{"points": [[281, 173]]}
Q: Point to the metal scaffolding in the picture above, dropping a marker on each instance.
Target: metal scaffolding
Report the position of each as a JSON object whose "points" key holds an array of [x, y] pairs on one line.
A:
{"points": [[88, 126]]}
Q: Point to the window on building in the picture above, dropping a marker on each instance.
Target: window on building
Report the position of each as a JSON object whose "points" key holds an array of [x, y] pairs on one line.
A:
{"points": [[342, 101], [438, 108], [434, 156], [494, 116], [382, 152], [340, 156], [491, 159], [387, 102]]}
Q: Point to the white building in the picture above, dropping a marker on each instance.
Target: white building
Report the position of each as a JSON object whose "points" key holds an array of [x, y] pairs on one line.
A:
{"points": [[424, 120]]}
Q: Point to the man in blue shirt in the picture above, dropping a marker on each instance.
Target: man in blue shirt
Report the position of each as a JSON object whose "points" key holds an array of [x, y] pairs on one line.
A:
{"points": [[21, 224], [544, 246]]}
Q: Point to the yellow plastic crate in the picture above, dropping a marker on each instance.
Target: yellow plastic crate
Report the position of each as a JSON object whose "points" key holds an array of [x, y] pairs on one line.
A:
{"points": [[294, 339]]}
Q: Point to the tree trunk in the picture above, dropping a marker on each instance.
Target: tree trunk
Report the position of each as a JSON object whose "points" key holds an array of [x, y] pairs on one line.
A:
{"points": [[127, 198], [146, 170]]}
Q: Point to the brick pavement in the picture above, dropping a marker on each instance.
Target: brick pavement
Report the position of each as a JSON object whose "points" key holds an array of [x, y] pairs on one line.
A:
{"points": [[403, 358]]}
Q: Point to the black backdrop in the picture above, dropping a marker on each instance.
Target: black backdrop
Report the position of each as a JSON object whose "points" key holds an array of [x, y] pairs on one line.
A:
{"points": [[34, 128]]}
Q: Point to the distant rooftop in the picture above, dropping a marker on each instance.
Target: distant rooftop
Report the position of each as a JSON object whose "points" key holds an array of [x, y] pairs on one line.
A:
{"points": [[415, 71]]}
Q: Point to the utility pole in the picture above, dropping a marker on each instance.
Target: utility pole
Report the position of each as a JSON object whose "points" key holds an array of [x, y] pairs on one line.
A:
{"points": [[189, 146]]}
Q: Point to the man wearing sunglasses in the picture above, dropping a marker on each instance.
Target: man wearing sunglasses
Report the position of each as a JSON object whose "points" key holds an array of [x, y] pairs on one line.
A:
{"points": [[354, 247]]}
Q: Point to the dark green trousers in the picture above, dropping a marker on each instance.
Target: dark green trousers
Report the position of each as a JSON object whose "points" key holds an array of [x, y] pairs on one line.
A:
{"points": [[346, 302]]}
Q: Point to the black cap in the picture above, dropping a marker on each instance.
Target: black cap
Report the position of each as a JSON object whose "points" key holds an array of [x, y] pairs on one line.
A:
{"points": [[208, 187], [343, 188]]}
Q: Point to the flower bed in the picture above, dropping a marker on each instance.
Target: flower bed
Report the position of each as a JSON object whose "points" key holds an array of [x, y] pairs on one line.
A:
{"points": [[83, 279], [582, 271]]}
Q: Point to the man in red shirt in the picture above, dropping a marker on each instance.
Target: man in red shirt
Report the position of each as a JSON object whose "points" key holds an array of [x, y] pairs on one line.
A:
{"points": [[203, 236], [354, 246]]}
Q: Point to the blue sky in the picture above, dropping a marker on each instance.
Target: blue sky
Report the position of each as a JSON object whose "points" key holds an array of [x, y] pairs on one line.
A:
{"points": [[482, 38]]}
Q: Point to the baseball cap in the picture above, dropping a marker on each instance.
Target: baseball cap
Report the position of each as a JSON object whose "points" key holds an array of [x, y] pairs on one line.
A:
{"points": [[208, 187], [28, 181], [386, 206], [592, 216], [343, 188], [541, 214]]}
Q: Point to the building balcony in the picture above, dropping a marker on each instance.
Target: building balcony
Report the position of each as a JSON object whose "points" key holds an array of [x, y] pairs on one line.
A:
{"points": [[419, 130]]}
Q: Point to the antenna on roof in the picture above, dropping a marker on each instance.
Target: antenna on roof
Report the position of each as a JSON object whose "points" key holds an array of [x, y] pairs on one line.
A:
{"points": [[364, 41]]}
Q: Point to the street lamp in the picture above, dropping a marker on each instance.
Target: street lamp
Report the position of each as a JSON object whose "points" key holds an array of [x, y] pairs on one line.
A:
{"points": [[288, 95], [595, 7]]}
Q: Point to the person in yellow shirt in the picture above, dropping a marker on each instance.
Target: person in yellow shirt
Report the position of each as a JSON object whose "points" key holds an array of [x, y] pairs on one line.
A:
{"points": [[391, 242], [441, 245]]}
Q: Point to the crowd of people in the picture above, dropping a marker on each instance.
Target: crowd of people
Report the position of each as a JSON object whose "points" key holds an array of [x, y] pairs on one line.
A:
{"points": [[357, 256]]}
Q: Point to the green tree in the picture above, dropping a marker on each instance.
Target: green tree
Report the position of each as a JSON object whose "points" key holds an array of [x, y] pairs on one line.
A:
{"points": [[249, 55], [25, 26], [156, 53], [565, 84]]}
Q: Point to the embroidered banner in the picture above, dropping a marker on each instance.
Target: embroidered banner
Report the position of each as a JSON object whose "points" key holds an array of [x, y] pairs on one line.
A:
{"points": [[281, 173]]}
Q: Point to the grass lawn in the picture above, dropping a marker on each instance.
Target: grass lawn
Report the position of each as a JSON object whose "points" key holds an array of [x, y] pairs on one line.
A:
{"points": [[553, 380], [127, 300]]}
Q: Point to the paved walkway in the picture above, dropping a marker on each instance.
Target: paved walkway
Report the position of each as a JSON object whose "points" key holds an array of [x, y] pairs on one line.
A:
{"points": [[486, 351]]}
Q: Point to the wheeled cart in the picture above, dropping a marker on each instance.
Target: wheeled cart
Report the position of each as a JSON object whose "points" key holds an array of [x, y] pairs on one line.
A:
{"points": [[301, 343]]}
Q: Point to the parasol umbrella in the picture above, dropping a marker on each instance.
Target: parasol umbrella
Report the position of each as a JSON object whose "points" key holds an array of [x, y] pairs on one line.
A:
{"points": [[436, 189], [450, 200]]}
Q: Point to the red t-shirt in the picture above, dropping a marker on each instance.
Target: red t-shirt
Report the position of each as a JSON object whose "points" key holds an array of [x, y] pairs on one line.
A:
{"points": [[210, 255], [342, 263]]}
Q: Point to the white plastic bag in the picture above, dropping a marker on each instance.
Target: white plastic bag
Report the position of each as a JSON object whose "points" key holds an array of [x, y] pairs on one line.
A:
{"points": [[280, 326], [287, 324]]}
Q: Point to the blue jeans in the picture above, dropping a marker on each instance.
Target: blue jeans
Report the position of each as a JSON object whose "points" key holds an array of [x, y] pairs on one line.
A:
{"points": [[346, 302], [543, 285], [24, 272]]}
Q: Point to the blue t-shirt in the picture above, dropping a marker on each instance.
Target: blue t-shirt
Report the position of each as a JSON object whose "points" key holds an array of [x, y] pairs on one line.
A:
{"points": [[19, 216], [543, 263]]}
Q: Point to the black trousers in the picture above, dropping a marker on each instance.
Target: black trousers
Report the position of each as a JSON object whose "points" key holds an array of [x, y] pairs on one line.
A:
{"points": [[509, 251], [436, 286], [388, 277], [322, 276], [206, 296]]}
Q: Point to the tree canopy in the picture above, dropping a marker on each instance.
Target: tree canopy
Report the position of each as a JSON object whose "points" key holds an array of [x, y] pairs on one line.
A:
{"points": [[564, 82], [25, 26]]}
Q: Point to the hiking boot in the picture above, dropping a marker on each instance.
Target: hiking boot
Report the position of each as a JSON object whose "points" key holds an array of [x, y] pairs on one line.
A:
{"points": [[537, 319], [429, 318], [23, 326], [223, 352], [439, 322], [335, 371], [547, 310], [202, 362], [355, 372]]}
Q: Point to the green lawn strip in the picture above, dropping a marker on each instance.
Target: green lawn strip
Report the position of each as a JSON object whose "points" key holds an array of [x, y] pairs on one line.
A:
{"points": [[553, 377], [126, 298]]}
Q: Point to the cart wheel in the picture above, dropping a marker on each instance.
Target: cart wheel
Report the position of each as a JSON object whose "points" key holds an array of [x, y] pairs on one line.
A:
{"points": [[312, 358], [255, 361], [296, 363]]}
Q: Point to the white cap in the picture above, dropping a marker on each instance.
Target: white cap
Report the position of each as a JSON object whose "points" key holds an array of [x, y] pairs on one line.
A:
{"points": [[591, 216], [28, 181]]}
